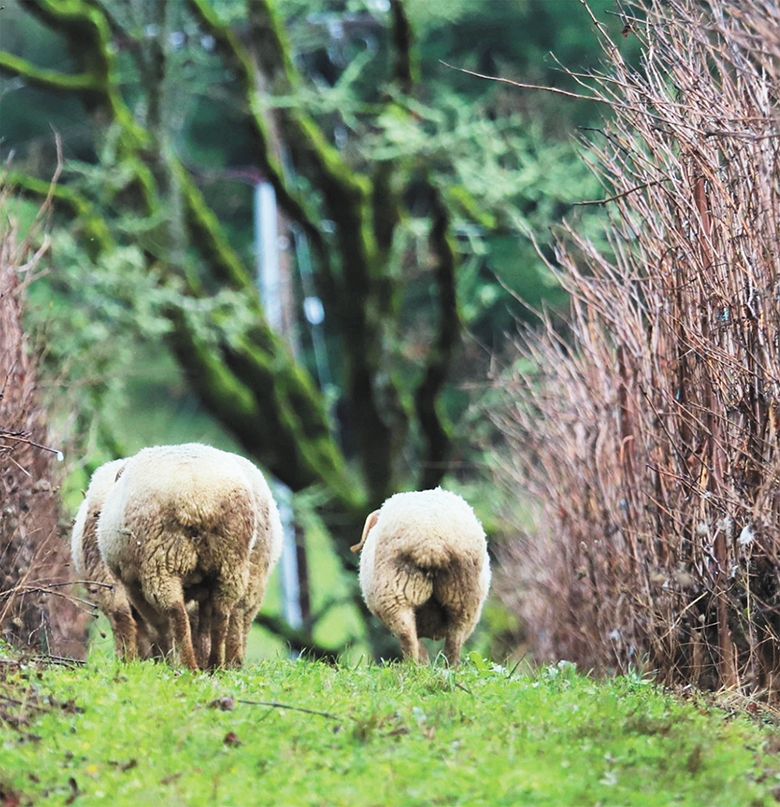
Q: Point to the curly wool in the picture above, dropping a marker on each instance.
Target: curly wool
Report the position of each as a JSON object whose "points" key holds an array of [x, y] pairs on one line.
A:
{"points": [[262, 560], [180, 524], [103, 588], [424, 569]]}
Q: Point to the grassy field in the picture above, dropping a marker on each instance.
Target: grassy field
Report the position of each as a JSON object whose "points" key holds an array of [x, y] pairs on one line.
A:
{"points": [[396, 735]]}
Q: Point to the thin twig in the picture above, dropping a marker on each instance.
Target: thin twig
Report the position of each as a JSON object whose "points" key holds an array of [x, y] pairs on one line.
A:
{"points": [[276, 705], [622, 194]]}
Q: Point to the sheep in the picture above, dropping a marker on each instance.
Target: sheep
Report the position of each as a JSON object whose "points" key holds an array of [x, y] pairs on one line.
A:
{"points": [[424, 570], [262, 561], [105, 590], [191, 522]]}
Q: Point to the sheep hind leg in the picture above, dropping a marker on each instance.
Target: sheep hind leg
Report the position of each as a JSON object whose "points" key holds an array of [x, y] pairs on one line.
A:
{"points": [[167, 596], [203, 633], [453, 644], [182, 635], [125, 634], [154, 630], [402, 624], [235, 648], [146, 647], [249, 620], [220, 621], [458, 598]]}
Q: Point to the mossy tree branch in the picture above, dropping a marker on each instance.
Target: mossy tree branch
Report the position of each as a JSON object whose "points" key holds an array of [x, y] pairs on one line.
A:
{"points": [[273, 56], [78, 207], [239, 60], [289, 432], [279, 415], [89, 35], [268, 403], [435, 431], [47, 79], [364, 289], [345, 194], [406, 69]]}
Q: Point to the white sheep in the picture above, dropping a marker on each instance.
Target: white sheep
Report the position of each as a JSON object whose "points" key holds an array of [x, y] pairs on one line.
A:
{"points": [[191, 522], [262, 561], [424, 569], [103, 588]]}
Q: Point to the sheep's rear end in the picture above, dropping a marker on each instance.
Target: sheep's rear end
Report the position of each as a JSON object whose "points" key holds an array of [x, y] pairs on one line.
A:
{"points": [[424, 570], [182, 519]]}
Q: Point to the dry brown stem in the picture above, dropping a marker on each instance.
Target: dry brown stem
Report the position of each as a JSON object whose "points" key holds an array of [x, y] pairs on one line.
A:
{"points": [[36, 607], [649, 434]]}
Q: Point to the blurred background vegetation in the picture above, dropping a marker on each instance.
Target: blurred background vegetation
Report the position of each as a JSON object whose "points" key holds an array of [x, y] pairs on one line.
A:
{"points": [[409, 192]]}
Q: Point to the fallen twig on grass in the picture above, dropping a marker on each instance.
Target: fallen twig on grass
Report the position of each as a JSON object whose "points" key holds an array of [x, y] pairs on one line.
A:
{"points": [[277, 705], [17, 702]]}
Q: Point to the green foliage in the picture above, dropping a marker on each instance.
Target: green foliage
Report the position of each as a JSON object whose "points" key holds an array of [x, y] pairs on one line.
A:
{"points": [[91, 319], [504, 177], [126, 734], [501, 174], [28, 114], [187, 124], [524, 40]]}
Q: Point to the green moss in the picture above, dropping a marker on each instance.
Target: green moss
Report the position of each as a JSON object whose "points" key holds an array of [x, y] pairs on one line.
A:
{"points": [[98, 235], [236, 55], [208, 235], [48, 79]]}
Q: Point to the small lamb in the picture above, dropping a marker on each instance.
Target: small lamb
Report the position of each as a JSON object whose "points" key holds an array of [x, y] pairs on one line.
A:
{"points": [[191, 522], [424, 569]]}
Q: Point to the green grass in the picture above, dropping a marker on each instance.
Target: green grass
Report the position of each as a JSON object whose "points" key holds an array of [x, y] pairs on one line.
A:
{"points": [[396, 735]]}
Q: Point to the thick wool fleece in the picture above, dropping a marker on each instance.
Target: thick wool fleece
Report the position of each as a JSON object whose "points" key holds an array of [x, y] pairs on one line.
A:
{"points": [[424, 569], [180, 524], [103, 588], [262, 560]]}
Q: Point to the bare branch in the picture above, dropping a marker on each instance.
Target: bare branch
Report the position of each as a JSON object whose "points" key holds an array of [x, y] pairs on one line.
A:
{"points": [[289, 707], [406, 70], [649, 431], [524, 86], [441, 351]]}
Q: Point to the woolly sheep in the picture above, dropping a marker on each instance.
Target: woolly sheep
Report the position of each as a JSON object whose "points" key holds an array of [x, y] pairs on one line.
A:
{"points": [[424, 569], [262, 560], [104, 589], [191, 522]]}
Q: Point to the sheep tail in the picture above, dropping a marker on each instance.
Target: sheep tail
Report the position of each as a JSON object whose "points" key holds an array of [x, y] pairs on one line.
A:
{"points": [[213, 512], [429, 556], [367, 527]]}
